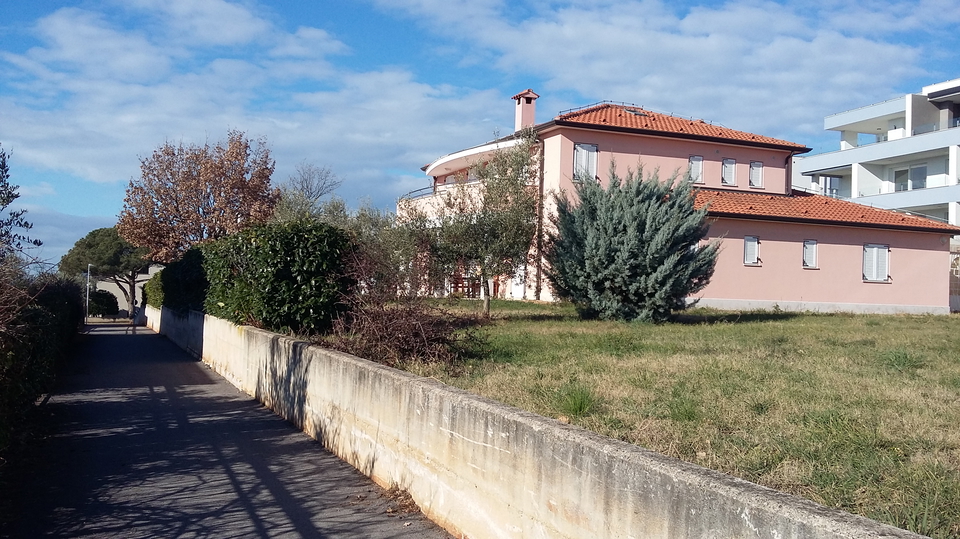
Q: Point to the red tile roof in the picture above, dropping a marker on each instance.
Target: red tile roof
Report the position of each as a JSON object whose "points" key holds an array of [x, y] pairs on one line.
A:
{"points": [[627, 117], [808, 207]]}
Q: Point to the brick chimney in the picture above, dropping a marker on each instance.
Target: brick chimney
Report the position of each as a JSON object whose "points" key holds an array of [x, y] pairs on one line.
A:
{"points": [[526, 109]]}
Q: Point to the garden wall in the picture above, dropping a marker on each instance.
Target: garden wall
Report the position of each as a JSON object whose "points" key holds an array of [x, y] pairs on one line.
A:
{"points": [[485, 470]]}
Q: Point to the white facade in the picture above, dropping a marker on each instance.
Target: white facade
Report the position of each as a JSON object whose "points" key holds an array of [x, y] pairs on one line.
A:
{"points": [[899, 154]]}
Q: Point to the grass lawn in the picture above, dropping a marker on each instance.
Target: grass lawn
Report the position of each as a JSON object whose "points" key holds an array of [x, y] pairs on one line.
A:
{"points": [[858, 412]]}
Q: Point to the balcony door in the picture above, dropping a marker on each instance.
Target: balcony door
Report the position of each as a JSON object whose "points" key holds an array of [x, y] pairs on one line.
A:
{"points": [[908, 179]]}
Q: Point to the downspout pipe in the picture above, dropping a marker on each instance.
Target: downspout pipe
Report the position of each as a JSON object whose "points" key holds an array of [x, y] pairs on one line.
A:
{"points": [[539, 279]]}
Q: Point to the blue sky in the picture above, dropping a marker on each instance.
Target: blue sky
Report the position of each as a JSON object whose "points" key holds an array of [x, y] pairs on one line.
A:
{"points": [[376, 89]]}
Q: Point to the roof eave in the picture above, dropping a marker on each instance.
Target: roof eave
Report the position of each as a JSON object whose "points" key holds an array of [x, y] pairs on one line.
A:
{"points": [[784, 219], [688, 136]]}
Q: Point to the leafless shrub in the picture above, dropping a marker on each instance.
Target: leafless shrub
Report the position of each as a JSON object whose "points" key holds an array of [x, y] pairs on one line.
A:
{"points": [[388, 319]]}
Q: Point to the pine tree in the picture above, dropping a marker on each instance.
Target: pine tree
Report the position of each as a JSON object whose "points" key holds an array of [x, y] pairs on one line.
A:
{"points": [[632, 251]]}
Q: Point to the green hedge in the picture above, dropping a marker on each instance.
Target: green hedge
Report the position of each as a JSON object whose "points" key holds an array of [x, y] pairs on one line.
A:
{"points": [[103, 303], [180, 286], [280, 276], [32, 342], [153, 290]]}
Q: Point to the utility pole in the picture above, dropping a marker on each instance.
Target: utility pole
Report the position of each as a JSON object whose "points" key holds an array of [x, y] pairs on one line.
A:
{"points": [[86, 313]]}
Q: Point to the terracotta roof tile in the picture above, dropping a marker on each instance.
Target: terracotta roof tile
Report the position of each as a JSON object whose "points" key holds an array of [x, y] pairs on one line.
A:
{"points": [[630, 117], [802, 206]]}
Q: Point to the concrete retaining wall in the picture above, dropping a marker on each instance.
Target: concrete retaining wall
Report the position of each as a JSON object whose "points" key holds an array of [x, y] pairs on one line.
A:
{"points": [[482, 469]]}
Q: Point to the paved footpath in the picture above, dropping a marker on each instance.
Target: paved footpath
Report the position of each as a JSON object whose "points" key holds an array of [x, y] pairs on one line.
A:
{"points": [[149, 443]]}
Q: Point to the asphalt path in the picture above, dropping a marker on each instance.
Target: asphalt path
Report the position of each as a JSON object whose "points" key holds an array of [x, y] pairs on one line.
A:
{"points": [[146, 442]]}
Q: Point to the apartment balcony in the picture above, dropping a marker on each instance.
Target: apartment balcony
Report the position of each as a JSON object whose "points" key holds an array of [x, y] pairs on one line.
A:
{"points": [[912, 148], [464, 159], [867, 119], [916, 198]]}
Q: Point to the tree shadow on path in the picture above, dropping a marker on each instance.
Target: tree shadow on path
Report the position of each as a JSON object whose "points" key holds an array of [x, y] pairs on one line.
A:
{"points": [[148, 442]]}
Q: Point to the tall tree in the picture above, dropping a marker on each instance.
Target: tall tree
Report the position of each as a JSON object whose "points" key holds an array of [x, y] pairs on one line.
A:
{"points": [[631, 251], [301, 195], [487, 227], [13, 275], [113, 258], [10, 240], [188, 194]]}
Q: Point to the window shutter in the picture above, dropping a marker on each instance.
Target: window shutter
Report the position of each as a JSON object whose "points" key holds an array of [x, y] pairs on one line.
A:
{"points": [[882, 257], [696, 168], [876, 262], [592, 161], [751, 250], [729, 176], [869, 263], [756, 174], [584, 161], [578, 165], [810, 253]]}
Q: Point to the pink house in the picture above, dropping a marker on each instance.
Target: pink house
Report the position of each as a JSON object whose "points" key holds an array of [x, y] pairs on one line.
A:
{"points": [[780, 248]]}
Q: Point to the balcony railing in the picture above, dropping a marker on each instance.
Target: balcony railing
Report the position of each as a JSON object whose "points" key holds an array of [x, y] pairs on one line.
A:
{"points": [[420, 193]]}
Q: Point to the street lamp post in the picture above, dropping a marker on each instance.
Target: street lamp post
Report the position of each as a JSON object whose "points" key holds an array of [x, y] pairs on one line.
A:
{"points": [[87, 308]]}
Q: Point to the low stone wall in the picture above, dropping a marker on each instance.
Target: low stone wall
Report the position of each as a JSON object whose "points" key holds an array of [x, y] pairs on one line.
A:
{"points": [[482, 469]]}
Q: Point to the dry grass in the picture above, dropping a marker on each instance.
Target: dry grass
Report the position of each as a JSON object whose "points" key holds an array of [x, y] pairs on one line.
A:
{"points": [[855, 412]]}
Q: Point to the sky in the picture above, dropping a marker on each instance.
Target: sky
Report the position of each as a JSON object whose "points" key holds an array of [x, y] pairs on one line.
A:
{"points": [[376, 89]]}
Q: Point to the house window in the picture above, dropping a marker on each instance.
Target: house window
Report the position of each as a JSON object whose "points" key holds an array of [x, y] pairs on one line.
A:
{"points": [[810, 254], [695, 168], [876, 263], [729, 174], [756, 174], [585, 162], [751, 251], [908, 179]]}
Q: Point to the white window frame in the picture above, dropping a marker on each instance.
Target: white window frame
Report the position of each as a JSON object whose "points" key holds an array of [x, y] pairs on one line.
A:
{"points": [[876, 263], [585, 161], [731, 178], [751, 250], [809, 257], [756, 174], [695, 168]]}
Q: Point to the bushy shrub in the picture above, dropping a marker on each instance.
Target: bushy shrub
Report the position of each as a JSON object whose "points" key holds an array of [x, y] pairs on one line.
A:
{"points": [[631, 251], [283, 276], [46, 312], [103, 303], [61, 301], [153, 290], [184, 283]]}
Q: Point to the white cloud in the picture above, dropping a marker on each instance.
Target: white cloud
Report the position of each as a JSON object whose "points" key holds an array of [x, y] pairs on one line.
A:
{"points": [[759, 66], [95, 93], [308, 43], [374, 128], [81, 41], [39, 190], [59, 231], [207, 22]]}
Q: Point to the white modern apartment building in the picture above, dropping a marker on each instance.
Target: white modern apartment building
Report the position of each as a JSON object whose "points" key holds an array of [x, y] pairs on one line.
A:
{"points": [[900, 154]]}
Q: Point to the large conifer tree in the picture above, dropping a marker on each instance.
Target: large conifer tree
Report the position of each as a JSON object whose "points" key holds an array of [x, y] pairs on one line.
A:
{"points": [[631, 251]]}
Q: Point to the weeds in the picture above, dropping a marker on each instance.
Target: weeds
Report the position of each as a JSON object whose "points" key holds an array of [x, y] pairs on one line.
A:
{"points": [[900, 360], [576, 400]]}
